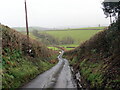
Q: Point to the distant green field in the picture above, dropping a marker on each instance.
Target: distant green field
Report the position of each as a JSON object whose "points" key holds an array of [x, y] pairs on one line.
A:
{"points": [[64, 46], [53, 48], [78, 35], [70, 45], [67, 47]]}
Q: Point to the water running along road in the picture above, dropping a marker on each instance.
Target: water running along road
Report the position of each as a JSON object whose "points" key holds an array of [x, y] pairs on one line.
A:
{"points": [[59, 76]]}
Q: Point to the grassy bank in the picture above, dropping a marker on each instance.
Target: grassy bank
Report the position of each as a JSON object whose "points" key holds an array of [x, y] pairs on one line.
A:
{"points": [[18, 69], [19, 65], [98, 59]]}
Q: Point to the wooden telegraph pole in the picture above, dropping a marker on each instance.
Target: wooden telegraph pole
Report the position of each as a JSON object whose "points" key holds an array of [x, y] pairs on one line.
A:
{"points": [[26, 19], [119, 15]]}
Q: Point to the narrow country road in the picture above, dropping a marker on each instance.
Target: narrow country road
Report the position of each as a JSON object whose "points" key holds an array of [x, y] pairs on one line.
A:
{"points": [[58, 76]]}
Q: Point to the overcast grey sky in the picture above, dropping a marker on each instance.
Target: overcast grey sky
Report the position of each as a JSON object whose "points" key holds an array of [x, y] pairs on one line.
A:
{"points": [[53, 13]]}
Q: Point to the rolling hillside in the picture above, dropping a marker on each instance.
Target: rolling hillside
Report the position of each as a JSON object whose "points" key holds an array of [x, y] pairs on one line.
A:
{"points": [[98, 59], [79, 35], [20, 62]]}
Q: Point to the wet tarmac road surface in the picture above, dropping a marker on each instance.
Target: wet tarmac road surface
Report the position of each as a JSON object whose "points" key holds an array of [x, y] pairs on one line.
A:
{"points": [[59, 76]]}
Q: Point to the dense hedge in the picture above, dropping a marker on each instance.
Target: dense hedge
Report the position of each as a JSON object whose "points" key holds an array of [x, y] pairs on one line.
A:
{"points": [[98, 58]]}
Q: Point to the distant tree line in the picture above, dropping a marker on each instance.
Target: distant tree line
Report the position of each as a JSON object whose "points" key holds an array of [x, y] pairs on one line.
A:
{"points": [[51, 40], [67, 40]]}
